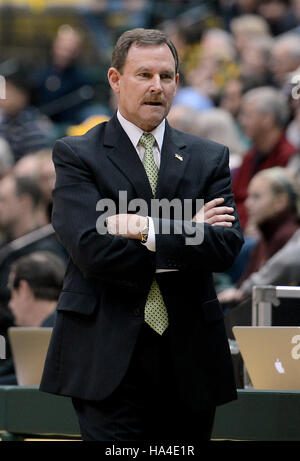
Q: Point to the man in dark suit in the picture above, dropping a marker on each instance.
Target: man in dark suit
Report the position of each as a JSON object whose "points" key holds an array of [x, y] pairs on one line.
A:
{"points": [[139, 341], [35, 282]]}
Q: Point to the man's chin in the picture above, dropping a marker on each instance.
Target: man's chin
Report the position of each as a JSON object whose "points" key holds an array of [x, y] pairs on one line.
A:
{"points": [[152, 120]]}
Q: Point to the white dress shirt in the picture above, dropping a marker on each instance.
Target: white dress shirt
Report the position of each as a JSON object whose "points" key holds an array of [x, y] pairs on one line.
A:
{"points": [[134, 133]]}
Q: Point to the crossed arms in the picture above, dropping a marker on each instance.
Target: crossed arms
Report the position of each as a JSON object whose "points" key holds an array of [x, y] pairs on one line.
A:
{"points": [[115, 257], [131, 225]]}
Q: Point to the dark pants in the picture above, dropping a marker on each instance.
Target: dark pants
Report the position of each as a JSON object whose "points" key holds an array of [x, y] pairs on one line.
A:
{"points": [[146, 405]]}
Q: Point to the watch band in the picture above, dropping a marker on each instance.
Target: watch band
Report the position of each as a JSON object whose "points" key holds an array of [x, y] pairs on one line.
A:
{"points": [[144, 232]]}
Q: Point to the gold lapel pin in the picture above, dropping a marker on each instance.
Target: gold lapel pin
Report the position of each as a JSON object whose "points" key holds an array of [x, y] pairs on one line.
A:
{"points": [[179, 157]]}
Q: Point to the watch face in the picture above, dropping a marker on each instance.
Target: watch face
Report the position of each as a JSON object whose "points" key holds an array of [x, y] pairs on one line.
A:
{"points": [[144, 236], [144, 233]]}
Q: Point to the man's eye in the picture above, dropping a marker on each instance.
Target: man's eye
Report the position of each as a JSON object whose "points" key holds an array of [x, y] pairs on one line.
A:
{"points": [[166, 76], [144, 74]]}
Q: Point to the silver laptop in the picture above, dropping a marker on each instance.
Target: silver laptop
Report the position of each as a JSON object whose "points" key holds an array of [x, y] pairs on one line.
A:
{"points": [[29, 347], [271, 356]]}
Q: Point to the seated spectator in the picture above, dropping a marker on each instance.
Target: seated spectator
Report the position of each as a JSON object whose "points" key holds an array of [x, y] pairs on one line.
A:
{"points": [[23, 126], [217, 43], [218, 125], [58, 85], [255, 59], [35, 282], [285, 58], [214, 66], [231, 97], [246, 27], [264, 116], [231, 100], [40, 167], [272, 205], [24, 223]]}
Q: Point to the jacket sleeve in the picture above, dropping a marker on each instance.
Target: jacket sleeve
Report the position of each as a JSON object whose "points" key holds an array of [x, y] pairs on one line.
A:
{"points": [[74, 218], [213, 248]]}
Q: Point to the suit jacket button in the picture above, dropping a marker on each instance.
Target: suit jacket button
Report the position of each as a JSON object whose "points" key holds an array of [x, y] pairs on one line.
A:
{"points": [[137, 312]]}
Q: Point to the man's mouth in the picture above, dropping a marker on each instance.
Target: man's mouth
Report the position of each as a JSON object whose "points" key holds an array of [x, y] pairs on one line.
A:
{"points": [[153, 103]]}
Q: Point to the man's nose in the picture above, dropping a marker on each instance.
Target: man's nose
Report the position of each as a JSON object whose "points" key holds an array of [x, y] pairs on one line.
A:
{"points": [[156, 84]]}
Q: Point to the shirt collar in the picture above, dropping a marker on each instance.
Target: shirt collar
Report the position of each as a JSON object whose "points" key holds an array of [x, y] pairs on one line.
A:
{"points": [[134, 132]]}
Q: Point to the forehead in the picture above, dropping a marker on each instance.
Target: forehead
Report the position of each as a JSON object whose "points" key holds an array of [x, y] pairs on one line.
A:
{"points": [[250, 105], [260, 184], [149, 56]]}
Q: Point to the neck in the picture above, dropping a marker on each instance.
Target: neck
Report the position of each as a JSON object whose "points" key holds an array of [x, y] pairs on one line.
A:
{"points": [[266, 143], [25, 225], [40, 310]]}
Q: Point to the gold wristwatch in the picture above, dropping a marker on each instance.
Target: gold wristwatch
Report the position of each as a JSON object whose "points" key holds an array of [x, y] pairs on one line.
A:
{"points": [[144, 232]]}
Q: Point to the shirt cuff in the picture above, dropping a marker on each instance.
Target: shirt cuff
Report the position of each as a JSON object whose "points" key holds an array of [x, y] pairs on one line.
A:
{"points": [[151, 244]]}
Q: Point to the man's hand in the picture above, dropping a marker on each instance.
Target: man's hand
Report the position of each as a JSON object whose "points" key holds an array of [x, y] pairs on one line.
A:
{"points": [[126, 225], [230, 295], [214, 214]]}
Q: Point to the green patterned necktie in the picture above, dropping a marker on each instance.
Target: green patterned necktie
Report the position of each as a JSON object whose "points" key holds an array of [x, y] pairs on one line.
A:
{"points": [[156, 314]]}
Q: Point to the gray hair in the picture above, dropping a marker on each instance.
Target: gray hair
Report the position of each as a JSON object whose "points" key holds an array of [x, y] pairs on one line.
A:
{"points": [[251, 24], [268, 100], [291, 42], [218, 125], [220, 41]]}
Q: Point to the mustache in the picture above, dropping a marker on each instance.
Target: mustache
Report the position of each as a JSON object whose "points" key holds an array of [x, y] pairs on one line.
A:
{"points": [[157, 99]]}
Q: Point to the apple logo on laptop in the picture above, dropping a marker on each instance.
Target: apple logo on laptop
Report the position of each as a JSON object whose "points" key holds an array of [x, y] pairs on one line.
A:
{"points": [[279, 367]]}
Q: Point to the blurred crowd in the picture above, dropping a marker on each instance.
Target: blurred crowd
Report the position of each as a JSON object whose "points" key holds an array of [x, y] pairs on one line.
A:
{"points": [[239, 86]]}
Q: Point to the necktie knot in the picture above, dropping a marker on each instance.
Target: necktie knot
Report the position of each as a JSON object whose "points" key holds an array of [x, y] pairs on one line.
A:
{"points": [[147, 140]]}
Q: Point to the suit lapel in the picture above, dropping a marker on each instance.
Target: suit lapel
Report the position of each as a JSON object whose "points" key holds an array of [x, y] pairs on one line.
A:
{"points": [[125, 158], [123, 155], [174, 160]]}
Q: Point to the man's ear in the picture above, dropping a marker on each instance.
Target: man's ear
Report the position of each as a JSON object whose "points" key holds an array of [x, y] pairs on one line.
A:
{"points": [[113, 76]]}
